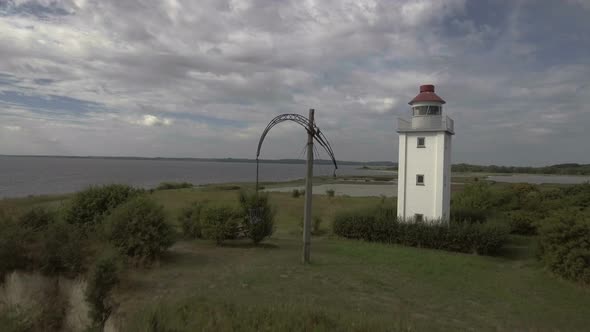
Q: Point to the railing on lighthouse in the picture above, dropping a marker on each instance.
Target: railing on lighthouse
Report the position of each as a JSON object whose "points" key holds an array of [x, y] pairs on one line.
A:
{"points": [[433, 123]]}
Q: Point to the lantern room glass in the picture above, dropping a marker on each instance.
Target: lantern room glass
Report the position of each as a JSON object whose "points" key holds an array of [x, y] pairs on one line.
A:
{"points": [[427, 110]]}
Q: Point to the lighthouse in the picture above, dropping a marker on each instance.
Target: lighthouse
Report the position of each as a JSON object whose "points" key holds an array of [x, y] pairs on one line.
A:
{"points": [[424, 164]]}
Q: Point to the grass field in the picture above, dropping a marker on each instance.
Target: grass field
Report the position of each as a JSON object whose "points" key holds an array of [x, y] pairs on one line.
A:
{"points": [[349, 285]]}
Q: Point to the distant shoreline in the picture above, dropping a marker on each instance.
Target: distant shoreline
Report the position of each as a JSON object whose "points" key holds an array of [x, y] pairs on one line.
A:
{"points": [[222, 160]]}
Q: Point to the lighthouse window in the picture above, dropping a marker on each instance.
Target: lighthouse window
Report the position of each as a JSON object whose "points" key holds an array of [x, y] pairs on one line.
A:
{"points": [[433, 110], [420, 110], [420, 179], [421, 141], [426, 110]]}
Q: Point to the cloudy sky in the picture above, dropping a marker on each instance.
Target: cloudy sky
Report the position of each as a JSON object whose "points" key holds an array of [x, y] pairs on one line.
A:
{"points": [[202, 78]]}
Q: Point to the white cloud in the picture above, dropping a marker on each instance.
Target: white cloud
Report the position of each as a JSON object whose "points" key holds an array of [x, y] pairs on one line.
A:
{"points": [[149, 120], [13, 128], [226, 67]]}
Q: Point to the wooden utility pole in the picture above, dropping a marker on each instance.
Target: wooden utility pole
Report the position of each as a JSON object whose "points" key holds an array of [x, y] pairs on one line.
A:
{"points": [[312, 134], [308, 190]]}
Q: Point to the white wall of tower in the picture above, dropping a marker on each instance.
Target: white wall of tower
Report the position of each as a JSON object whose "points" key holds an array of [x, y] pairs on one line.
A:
{"points": [[432, 199]]}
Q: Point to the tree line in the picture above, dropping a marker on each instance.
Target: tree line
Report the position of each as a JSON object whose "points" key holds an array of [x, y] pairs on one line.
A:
{"points": [[562, 169]]}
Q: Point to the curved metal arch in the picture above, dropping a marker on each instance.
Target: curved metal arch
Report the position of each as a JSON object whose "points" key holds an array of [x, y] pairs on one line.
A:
{"points": [[304, 122]]}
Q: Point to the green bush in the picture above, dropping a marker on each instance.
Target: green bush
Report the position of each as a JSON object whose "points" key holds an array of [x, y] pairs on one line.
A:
{"points": [[139, 229], [173, 185], [522, 222], [88, 207], [476, 196], [355, 224], [295, 193], [190, 220], [379, 225], [228, 187], [466, 214], [219, 223], [330, 192], [38, 242], [385, 211], [564, 247], [14, 243], [37, 218], [579, 195], [101, 281], [258, 215], [63, 251]]}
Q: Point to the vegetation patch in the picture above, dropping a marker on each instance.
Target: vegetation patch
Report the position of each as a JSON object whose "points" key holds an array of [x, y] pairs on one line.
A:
{"points": [[102, 280], [139, 230], [382, 225], [14, 241], [220, 223], [523, 222], [174, 185], [63, 250], [258, 215], [190, 220], [89, 207], [228, 187], [563, 169], [565, 247], [15, 319], [199, 314]]}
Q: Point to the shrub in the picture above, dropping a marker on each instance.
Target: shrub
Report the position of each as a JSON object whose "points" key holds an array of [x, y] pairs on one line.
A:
{"points": [[227, 187], [354, 224], [173, 185], [579, 195], [295, 193], [330, 192], [49, 246], [89, 207], [139, 229], [219, 223], [385, 211], [62, 250], [258, 215], [470, 215], [565, 249], [476, 195], [14, 240], [379, 225], [37, 218], [190, 221], [317, 226], [522, 222], [103, 278]]}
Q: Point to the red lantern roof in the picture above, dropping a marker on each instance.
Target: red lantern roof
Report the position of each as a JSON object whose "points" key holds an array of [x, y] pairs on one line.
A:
{"points": [[427, 94]]}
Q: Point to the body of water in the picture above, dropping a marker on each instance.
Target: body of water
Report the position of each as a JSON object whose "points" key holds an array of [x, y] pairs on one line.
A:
{"points": [[22, 176]]}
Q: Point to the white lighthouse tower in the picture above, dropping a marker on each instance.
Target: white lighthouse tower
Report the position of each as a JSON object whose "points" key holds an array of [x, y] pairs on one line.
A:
{"points": [[424, 169]]}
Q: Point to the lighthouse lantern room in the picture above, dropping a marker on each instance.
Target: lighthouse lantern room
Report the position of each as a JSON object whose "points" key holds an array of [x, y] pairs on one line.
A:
{"points": [[424, 164]]}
